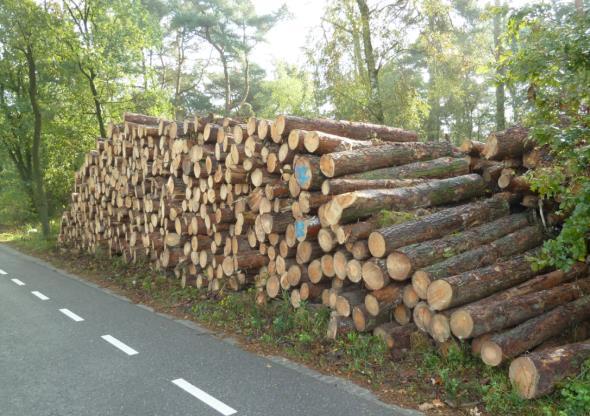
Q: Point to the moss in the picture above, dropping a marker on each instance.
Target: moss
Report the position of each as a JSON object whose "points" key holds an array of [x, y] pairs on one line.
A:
{"points": [[386, 218]]}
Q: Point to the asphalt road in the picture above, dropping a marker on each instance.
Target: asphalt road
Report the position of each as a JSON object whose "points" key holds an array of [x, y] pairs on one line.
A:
{"points": [[68, 347]]}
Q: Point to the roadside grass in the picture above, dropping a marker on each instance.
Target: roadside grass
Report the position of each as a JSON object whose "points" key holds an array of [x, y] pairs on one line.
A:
{"points": [[425, 374]]}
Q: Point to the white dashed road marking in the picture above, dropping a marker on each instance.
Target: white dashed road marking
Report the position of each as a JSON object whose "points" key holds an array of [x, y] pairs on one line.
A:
{"points": [[2, 272], [204, 397], [39, 295], [18, 282], [71, 315], [118, 344]]}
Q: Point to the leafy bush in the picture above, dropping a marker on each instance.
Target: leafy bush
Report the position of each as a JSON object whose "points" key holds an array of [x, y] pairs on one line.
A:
{"points": [[548, 56]]}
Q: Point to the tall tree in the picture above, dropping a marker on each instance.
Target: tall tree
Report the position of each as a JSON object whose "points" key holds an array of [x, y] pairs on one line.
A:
{"points": [[500, 95], [25, 38], [106, 40], [232, 29], [375, 104]]}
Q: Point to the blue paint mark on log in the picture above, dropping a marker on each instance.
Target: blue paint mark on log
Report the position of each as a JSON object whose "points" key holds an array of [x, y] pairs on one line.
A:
{"points": [[299, 229], [302, 175]]}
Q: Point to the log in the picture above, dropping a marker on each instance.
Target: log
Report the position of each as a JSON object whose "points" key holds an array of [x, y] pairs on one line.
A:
{"points": [[513, 243], [537, 374], [472, 147], [440, 168], [524, 337], [354, 130], [364, 322], [347, 300], [395, 335], [338, 326], [361, 204], [444, 222], [383, 300], [471, 322], [403, 261], [395, 154], [320, 143], [510, 143], [341, 186], [374, 274], [477, 283], [307, 172]]}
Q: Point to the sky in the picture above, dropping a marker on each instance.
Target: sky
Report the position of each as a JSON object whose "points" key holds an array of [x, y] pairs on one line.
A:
{"points": [[286, 40]]}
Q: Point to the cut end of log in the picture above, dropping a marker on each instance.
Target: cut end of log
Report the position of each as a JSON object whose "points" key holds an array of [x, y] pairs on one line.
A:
{"points": [[311, 141], [439, 328], [420, 282], [398, 265], [273, 286], [358, 318], [314, 271], [327, 165], [461, 324], [373, 276], [524, 377], [422, 316], [376, 244], [354, 271], [439, 295], [325, 240], [372, 305], [491, 353]]}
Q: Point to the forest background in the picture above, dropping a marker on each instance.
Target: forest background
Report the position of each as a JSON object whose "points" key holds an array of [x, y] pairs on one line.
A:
{"points": [[451, 70]]}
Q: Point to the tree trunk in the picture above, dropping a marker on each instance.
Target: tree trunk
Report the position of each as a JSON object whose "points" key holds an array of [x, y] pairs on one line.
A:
{"points": [[511, 244], [537, 374], [375, 106], [351, 129], [469, 322], [36, 164], [392, 154], [402, 262], [529, 334], [500, 97], [444, 222]]}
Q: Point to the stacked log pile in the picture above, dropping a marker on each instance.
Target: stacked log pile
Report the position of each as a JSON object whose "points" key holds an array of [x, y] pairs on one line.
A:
{"points": [[394, 235]]}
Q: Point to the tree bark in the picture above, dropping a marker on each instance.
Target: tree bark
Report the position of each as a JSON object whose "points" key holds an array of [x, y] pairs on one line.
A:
{"points": [[341, 186], [360, 204], [351, 129], [392, 154], [469, 322], [403, 261], [442, 167], [477, 283], [511, 244], [444, 222]]}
